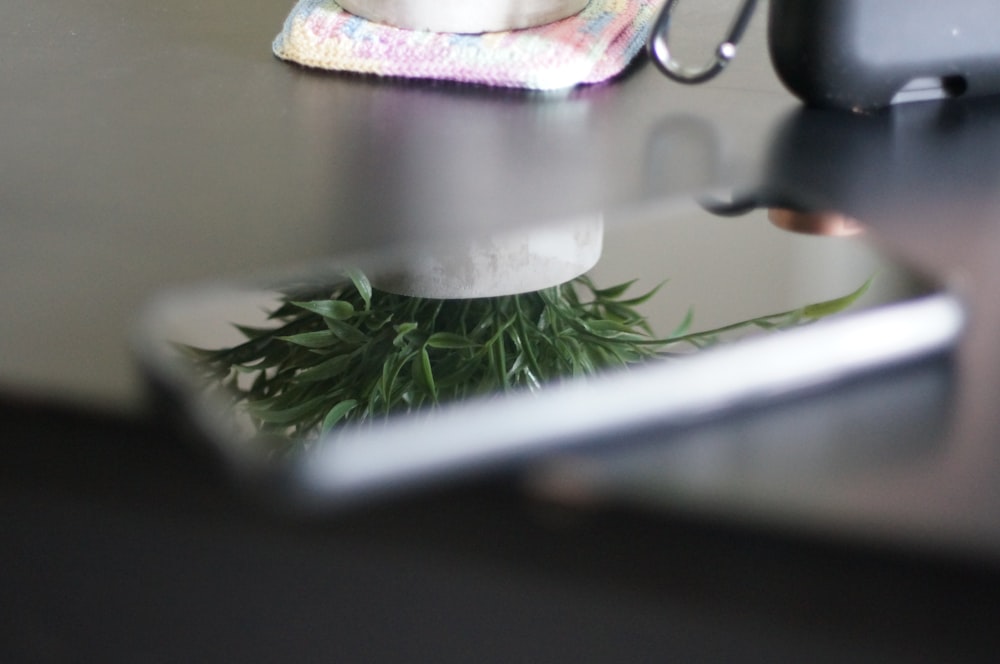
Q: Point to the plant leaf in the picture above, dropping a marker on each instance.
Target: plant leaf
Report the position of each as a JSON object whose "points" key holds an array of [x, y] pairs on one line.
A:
{"points": [[362, 285], [613, 292], [402, 331], [327, 369], [346, 332], [449, 340], [428, 373], [684, 325], [836, 305], [264, 411], [321, 339], [334, 309], [645, 297], [337, 413]]}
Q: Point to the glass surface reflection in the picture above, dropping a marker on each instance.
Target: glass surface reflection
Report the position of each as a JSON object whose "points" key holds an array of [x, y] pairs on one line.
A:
{"points": [[369, 374], [352, 346]]}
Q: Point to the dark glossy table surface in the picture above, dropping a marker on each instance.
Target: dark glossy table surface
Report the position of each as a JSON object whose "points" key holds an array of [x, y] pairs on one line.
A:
{"points": [[152, 144], [155, 144]]}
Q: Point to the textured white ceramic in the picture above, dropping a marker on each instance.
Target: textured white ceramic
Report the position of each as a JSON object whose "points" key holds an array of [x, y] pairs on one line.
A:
{"points": [[519, 262], [467, 16]]}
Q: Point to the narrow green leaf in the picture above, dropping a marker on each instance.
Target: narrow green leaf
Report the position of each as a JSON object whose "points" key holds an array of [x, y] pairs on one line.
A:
{"points": [[449, 340], [836, 305], [346, 332], [402, 331], [337, 413], [335, 309], [428, 373], [607, 327], [645, 297], [362, 285], [286, 416], [390, 375], [321, 339], [614, 292], [254, 332], [685, 324], [375, 321], [622, 313], [327, 369]]}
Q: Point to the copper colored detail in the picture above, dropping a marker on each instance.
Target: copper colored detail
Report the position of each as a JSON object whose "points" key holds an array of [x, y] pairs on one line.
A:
{"points": [[815, 222]]}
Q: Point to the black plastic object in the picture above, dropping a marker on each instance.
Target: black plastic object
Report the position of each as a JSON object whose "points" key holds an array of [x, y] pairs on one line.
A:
{"points": [[867, 54], [861, 55]]}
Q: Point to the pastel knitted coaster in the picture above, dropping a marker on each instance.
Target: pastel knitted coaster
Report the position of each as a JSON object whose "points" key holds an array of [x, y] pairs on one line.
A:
{"points": [[590, 47]]}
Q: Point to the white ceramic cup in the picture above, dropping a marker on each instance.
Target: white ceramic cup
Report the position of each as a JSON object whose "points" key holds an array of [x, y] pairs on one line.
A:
{"points": [[463, 16]]}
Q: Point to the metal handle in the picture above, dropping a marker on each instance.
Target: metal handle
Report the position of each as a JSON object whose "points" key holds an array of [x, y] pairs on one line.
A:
{"points": [[659, 48]]}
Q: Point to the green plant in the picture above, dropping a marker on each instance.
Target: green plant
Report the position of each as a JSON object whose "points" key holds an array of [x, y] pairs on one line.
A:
{"points": [[351, 353]]}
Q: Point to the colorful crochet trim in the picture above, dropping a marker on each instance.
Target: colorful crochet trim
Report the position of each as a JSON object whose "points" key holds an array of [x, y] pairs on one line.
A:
{"points": [[590, 47]]}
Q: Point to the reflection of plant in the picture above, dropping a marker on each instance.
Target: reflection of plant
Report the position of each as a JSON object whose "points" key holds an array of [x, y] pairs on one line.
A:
{"points": [[352, 353]]}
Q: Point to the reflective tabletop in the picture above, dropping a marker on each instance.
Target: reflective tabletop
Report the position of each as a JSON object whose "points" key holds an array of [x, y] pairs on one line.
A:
{"points": [[156, 144]]}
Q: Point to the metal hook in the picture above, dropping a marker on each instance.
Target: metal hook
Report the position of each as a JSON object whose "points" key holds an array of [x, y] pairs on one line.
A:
{"points": [[659, 49]]}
